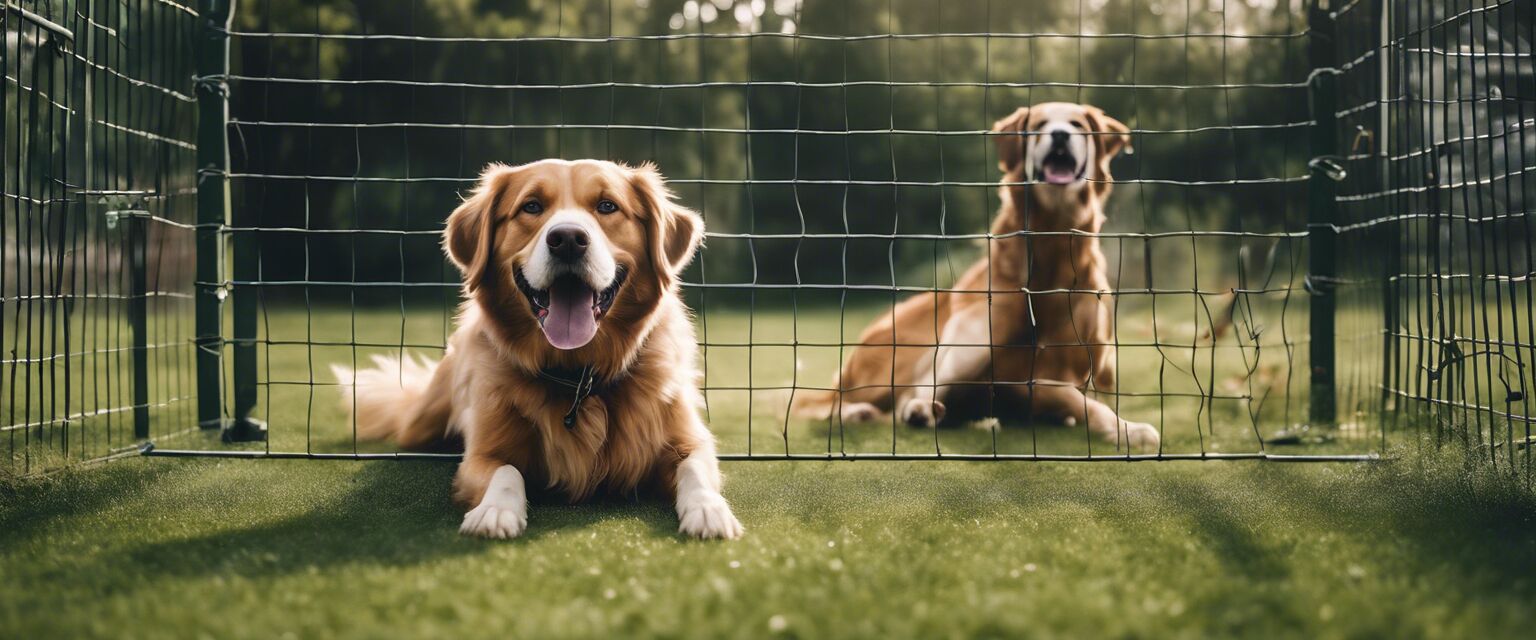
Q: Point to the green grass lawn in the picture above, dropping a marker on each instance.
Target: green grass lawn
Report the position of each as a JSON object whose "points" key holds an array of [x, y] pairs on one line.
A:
{"points": [[243, 548], [1206, 398], [157, 547]]}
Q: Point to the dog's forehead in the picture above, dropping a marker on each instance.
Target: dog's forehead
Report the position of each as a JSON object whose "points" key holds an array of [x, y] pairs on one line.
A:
{"points": [[590, 178], [588, 171], [1056, 112], [571, 179]]}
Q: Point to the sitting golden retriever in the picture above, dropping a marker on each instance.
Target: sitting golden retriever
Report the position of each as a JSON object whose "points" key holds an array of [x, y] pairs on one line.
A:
{"points": [[572, 366], [1031, 320]]}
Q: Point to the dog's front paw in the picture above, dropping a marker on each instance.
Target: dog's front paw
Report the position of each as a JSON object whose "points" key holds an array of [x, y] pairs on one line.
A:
{"points": [[491, 521], [707, 515], [922, 413], [1142, 437]]}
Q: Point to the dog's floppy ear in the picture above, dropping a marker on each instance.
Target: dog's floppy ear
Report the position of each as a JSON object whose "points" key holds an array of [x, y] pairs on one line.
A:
{"points": [[1010, 148], [471, 228], [1111, 135], [676, 232]]}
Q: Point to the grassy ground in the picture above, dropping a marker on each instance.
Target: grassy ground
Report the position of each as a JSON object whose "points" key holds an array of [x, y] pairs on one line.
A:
{"points": [[1213, 398], [154, 547], [157, 547], [1206, 397]]}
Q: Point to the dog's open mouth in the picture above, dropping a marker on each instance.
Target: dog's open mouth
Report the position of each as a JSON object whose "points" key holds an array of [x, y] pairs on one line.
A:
{"points": [[569, 310], [1060, 167]]}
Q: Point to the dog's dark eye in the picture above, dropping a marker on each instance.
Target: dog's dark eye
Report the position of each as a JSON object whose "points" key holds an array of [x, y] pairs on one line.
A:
{"points": [[533, 207], [606, 206], [1080, 125]]}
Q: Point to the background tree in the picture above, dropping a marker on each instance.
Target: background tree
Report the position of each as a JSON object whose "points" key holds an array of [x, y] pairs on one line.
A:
{"points": [[683, 103]]}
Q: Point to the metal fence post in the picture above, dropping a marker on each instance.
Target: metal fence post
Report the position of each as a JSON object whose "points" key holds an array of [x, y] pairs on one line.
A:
{"points": [[244, 428], [212, 51], [1381, 14], [1326, 168], [78, 171], [136, 238], [214, 213], [246, 266]]}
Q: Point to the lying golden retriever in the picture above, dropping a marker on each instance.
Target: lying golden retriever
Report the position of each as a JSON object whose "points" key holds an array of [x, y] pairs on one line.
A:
{"points": [[1031, 320], [572, 366]]}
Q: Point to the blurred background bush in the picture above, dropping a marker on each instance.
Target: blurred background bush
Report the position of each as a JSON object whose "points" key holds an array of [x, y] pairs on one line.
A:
{"points": [[719, 112]]}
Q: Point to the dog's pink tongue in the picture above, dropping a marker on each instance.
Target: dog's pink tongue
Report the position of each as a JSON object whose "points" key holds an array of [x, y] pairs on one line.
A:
{"points": [[1059, 174], [570, 323]]}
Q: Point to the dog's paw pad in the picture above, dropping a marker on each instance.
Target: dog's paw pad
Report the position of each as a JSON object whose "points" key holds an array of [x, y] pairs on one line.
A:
{"points": [[922, 413], [487, 521], [708, 516]]}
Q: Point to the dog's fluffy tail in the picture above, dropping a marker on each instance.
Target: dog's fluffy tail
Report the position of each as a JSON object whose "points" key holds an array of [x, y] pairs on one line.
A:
{"points": [[407, 399], [813, 403]]}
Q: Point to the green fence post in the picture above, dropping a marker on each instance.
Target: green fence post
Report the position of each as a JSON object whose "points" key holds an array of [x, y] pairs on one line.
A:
{"points": [[246, 266], [213, 214], [1326, 168], [78, 173], [1381, 15], [136, 238], [212, 52], [244, 428]]}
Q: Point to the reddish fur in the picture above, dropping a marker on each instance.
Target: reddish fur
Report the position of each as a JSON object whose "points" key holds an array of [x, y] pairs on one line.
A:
{"points": [[645, 423], [1059, 346]]}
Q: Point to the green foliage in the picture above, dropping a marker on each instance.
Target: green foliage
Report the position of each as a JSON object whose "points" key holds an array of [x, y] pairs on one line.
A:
{"points": [[769, 84]]}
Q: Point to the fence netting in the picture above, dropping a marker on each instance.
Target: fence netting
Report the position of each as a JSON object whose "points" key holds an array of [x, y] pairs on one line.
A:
{"points": [[1435, 118], [842, 157], [1318, 241], [96, 245]]}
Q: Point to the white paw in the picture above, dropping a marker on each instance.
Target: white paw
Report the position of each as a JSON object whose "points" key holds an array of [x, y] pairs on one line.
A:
{"points": [[706, 515], [859, 412], [1142, 437], [922, 413], [491, 521]]}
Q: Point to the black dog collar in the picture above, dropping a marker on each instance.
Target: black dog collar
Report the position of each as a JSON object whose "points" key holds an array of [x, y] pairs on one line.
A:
{"points": [[583, 382]]}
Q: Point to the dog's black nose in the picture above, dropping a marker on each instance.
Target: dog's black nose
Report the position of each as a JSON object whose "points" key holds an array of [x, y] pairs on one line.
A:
{"points": [[1059, 138], [567, 242]]}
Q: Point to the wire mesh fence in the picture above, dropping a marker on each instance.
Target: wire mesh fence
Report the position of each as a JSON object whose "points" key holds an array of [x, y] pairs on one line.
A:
{"points": [[1316, 243], [95, 257], [1434, 129]]}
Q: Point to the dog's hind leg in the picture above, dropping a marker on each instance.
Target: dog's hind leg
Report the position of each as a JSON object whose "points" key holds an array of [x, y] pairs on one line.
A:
{"points": [[962, 357], [824, 405], [1060, 399]]}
